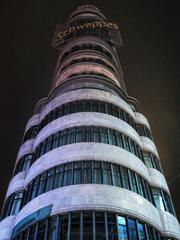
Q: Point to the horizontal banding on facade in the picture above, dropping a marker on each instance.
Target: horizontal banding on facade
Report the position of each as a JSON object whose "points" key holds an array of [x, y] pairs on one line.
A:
{"points": [[16, 184], [6, 227], [141, 119], [89, 40], [85, 94], [170, 224], [26, 148], [86, 119], [157, 179], [97, 197], [34, 120], [85, 68], [88, 55], [87, 151], [149, 146]]}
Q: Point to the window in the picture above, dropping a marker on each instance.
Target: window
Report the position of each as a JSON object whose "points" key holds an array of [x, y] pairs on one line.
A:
{"points": [[67, 174], [107, 174], [158, 199], [125, 178], [88, 225], [141, 231], [97, 172], [58, 176], [111, 136], [77, 178], [132, 229], [122, 230], [87, 172], [116, 175]]}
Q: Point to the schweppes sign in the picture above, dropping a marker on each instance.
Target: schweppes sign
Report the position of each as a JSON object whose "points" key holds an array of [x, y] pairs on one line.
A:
{"points": [[62, 33]]}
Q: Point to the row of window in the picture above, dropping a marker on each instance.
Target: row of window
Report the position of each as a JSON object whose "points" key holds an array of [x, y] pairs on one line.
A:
{"points": [[87, 134], [89, 225], [87, 46], [89, 172], [88, 60], [26, 161], [87, 106], [93, 73]]}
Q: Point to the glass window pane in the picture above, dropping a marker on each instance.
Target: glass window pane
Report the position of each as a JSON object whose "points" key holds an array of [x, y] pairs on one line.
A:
{"points": [[104, 135], [126, 143], [73, 107], [87, 172], [94, 106], [63, 138], [112, 226], [125, 178], [107, 174], [122, 229], [97, 172], [158, 199], [96, 134], [87, 106], [52, 228], [111, 135], [88, 135], [141, 231], [87, 225], [75, 226], [79, 134], [77, 173], [132, 230], [58, 176], [116, 175], [119, 140], [64, 227], [67, 174], [42, 183], [102, 107], [50, 180], [56, 138], [100, 231], [133, 181], [70, 136]]}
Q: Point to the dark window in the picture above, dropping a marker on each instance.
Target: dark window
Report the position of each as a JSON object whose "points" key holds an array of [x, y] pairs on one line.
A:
{"points": [[77, 178], [97, 172], [125, 178], [87, 172], [132, 229]]}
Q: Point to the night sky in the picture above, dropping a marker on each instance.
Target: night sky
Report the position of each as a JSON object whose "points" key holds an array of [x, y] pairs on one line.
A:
{"points": [[149, 57]]}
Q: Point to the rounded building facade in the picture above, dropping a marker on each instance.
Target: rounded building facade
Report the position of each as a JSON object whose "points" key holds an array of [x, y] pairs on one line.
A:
{"points": [[88, 168]]}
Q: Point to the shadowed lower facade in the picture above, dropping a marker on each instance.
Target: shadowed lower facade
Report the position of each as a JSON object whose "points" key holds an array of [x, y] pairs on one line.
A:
{"points": [[88, 168]]}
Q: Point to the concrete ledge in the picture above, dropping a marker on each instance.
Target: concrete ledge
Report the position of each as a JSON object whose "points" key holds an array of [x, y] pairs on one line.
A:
{"points": [[87, 119], [16, 184], [87, 151], [82, 94], [148, 145], [6, 227], [34, 120], [25, 148], [170, 225], [141, 119], [157, 179], [97, 197]]}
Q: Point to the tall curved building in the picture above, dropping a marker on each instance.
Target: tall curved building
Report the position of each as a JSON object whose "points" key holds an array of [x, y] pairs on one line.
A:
{"points": [[88, 168]]}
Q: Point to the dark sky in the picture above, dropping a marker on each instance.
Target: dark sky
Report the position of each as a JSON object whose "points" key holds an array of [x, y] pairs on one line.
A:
{"points": [[150, 60]]}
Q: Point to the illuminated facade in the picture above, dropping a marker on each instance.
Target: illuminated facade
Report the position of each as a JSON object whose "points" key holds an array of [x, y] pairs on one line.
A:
{"points": [[88, 167]]}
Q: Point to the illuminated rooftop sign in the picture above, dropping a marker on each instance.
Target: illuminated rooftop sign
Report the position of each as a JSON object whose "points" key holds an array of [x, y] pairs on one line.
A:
{"points": [[107, 30]]}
